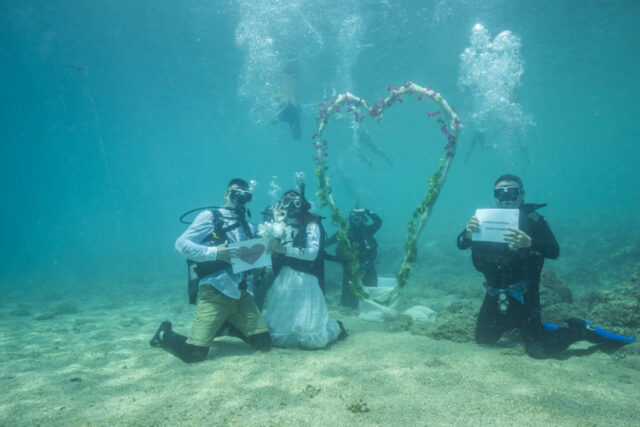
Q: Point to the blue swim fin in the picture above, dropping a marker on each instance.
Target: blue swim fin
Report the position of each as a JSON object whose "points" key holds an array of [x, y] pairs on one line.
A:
{"points": [[597, 335], [550, 327], [609, 335]]}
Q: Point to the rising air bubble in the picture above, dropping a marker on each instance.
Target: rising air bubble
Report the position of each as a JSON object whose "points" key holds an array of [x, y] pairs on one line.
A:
{"points": [[490, 71]]}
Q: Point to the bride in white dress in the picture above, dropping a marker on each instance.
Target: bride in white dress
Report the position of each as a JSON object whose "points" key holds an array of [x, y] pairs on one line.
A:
{"points": [[296, 311]]}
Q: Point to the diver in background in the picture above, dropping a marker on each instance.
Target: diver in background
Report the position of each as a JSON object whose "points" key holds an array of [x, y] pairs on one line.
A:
{"points": [[364, 137], [479, 140], [512, 272], [289, 109], [221, 294], [360, 232]]}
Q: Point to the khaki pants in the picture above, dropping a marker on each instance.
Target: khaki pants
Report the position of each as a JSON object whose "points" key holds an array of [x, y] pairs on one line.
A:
{"points": [[214, 308]]}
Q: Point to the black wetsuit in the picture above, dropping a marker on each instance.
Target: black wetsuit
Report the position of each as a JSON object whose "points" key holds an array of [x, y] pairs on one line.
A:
{"points": [[504, 266], [368, 247]]}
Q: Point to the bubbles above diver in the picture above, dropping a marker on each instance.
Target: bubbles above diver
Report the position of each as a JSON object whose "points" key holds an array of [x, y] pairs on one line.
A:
{"points": [[274, 34], [300, 177], [490, 71], [349, 34], [274, 189]]}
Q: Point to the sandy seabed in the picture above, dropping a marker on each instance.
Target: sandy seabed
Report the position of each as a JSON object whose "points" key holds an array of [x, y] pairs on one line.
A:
{"points": [[88, 362]]}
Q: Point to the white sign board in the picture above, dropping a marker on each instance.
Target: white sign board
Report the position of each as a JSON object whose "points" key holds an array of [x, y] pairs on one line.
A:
{"points": [[494, 223], [251, 254]]}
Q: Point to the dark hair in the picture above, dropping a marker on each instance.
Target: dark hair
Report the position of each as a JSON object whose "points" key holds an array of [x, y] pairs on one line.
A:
{"points": [[239, 182], [509, 177]]}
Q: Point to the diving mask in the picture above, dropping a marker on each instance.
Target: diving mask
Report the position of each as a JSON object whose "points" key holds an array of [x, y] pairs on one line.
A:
{"points": [[357, 216], [240, 196], [508, 193], [291, 201]]}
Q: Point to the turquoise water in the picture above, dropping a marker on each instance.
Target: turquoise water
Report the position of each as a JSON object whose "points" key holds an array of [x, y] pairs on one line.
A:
{"points": [[119, 116]]}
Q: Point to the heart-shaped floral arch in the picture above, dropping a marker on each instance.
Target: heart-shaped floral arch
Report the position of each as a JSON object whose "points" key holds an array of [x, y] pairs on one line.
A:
{"points": [[349, 103]]}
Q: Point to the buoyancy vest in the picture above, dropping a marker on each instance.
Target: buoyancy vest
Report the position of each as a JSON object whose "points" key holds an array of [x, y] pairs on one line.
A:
{"points": [[315, 267], [198, 270]]}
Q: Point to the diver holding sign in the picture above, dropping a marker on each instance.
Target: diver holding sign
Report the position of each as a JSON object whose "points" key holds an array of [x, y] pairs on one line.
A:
{"points": [[511, 265]]}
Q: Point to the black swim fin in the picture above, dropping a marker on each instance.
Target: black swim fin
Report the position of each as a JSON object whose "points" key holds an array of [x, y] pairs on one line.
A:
{"points": [[157, 339], [176, 344], [343, 332]]}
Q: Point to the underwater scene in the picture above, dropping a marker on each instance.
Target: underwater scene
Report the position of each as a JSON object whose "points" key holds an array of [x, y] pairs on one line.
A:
{"points": [[393, 213]]}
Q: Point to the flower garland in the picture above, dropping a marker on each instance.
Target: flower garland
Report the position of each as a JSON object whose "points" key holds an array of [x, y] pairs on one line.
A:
{"points": [[349, 250], [450, 127]]}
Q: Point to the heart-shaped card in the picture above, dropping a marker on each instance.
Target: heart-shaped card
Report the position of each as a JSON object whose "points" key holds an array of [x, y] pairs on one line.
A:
{"points": [[251, 254]]}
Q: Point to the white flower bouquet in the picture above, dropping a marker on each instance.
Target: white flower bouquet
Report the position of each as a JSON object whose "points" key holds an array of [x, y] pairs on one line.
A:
{"points": [[276, 230]]}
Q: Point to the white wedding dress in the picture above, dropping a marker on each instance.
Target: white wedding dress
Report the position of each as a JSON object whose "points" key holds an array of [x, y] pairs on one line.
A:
{"points": [[296, 311]]}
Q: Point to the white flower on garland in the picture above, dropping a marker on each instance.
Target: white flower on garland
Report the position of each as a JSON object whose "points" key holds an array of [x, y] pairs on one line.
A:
{"points": [[276, 230]]}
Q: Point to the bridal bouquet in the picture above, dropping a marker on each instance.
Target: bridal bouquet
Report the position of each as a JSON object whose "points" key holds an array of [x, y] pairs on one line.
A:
{"points": [[277, 230]]}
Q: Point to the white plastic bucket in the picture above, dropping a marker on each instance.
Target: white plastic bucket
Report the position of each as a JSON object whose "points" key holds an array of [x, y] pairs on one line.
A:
{"points": [[371, 309], [386, 282]]}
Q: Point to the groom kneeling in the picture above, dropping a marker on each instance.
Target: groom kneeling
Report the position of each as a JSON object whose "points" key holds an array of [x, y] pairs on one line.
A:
{"points": [[222, 296]]}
